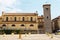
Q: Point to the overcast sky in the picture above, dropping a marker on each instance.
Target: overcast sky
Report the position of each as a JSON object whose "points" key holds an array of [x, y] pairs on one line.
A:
{"points": [[30, 6]]}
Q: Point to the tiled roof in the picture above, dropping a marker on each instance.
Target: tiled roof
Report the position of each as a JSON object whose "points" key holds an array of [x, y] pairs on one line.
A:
{"points": [[56, 18], [40, 17]]}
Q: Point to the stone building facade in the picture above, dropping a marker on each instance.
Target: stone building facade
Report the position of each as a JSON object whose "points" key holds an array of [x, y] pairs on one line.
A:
{"points": [[47, 18], [26, 22], [56, 24], [41, 24]]}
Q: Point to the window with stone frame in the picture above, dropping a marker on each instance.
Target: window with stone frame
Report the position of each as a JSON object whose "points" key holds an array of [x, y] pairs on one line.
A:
{"points": [[31, 18], [6, 18], [46, 8]]}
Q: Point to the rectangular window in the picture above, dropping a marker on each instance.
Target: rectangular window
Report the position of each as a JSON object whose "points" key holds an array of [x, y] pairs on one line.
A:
{"points": [[46, 8], [23, 19], [31, 19], [15, 18], [6, 18]]}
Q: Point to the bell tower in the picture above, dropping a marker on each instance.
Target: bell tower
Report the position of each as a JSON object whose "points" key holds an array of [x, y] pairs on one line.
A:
{"points": [[47, 18]]}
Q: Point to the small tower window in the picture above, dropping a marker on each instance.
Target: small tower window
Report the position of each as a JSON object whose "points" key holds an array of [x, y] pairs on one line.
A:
{"points": [[47, 17], [46, 8], [23, 18]]}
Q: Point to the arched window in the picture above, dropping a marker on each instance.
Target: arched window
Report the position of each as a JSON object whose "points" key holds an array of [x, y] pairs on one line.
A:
{"points": [[22, 24], [31, 25], [6, 18], [31, 18], [47, 17], [13, 25], [15, 18], [23, 19], [4, 25]]}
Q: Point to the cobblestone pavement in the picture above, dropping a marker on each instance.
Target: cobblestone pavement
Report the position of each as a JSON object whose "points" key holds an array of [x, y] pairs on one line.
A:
{"points": [[30, 37]]}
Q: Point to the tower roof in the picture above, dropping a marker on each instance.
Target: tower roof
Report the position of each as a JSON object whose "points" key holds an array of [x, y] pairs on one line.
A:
{"points": [[47, 5]]}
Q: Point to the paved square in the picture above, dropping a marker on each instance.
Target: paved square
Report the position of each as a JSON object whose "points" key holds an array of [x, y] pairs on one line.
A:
{"points": [[29, 37]]}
